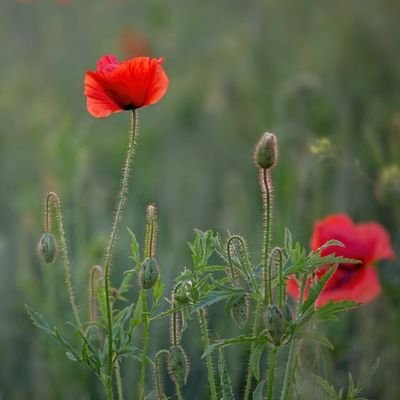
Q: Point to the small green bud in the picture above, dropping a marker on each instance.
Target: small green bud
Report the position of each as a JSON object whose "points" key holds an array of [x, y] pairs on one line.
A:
{"points": [[182, 293], [239, 310], [47, 248], [178, 365], [266, 152], [275, 324], [149, 273]]}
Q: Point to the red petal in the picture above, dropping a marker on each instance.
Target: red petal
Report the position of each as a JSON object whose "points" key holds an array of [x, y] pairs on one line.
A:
{"points": [[158, 84], [293, 287], [123, 86], [363, 288], [107, 63], [340, 227], [323, 229], [144, 81], [377, 239], [99, 103]]}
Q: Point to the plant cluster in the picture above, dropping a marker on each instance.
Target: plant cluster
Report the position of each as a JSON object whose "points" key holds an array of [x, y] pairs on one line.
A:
{"points": [[253, 290]]}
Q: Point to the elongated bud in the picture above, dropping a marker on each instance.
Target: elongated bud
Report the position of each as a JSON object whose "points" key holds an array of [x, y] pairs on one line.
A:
{"points": [[178, 365], [275, 324], [266, 152], [149, 273], [47, 248], [151, 231]]}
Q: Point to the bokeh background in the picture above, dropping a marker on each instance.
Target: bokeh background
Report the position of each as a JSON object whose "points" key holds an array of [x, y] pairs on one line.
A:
{"points": [[324, 76]]}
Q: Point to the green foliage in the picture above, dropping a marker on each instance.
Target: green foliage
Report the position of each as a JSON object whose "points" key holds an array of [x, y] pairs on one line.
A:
{"points": [[353, 390]]}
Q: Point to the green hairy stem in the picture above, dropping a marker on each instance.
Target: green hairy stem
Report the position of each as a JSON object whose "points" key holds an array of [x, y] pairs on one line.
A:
{"points": [[122, 199]]}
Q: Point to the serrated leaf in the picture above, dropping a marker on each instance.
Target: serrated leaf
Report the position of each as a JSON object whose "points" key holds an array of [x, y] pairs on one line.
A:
{"points": [[158, 289], [225, 380], [329, 390], [212, 298], [256, 358], [134, 247], [38, 320], [135, 353], [258, 391], [328, 311], [314, 336], [137, 317], [241, 339], [316, 289]]}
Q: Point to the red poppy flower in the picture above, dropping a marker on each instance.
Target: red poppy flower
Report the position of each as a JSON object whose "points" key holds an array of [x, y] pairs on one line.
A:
{"points": [[128, 85], [367, 242]]}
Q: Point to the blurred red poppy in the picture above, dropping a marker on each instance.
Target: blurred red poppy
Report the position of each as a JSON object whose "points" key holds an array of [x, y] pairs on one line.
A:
{"points": [[133, 43], [367, 242], [128, 85]]}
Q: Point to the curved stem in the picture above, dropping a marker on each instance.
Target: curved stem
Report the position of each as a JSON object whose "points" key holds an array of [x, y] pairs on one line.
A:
{"points": [[55, 200], [209, 360], [146, 325], [271, 371], [249, 371], [159, 386], [122, 198]]}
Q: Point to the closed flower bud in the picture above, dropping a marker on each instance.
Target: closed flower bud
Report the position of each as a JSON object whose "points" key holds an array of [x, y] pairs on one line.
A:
{"points": [[266, 152], [178, 365], [47, 248], [149, 273], [275, 324], [239, 310], [182, 293]]}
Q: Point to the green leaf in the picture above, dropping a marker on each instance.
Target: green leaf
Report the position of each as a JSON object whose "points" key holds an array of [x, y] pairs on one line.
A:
{"points": [[137, 317], [135, 353], [225, 380], [241, 339], [328, 311], [316, 289], [329, 390], [258, 391], [134, 247], [315, 336], [256, 358], [158, 289], [71, 356], [38, 320], [120, 320], [212, 298]]}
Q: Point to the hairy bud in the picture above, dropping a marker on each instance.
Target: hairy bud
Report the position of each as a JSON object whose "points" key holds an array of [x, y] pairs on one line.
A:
{"points": [[47, 248], [178, 365], [149, 273], [266, 152], [182, 293], [275, 324]]}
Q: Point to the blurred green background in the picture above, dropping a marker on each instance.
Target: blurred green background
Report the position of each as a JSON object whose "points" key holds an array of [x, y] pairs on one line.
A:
{"points": [[303, 69]]}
